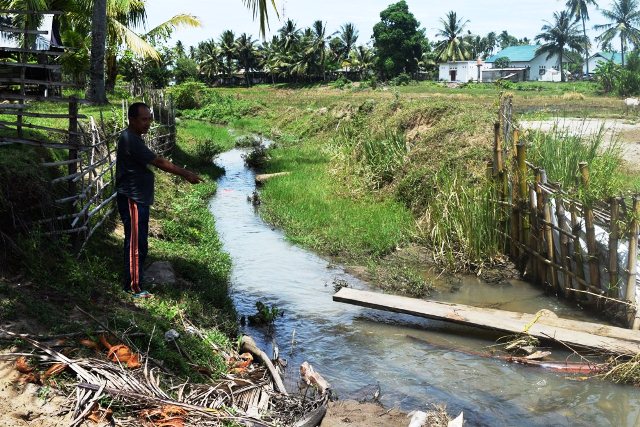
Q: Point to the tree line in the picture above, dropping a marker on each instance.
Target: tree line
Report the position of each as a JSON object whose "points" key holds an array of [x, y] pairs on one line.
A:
{"points": [[104, 44]]}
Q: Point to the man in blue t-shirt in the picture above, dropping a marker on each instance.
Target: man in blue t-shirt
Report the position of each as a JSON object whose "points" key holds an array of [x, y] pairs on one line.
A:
{"points": [[134, 185]]}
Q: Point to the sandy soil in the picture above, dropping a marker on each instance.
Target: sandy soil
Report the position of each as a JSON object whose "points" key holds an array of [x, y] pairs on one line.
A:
{"points": [[626, 132], [28, 404], [349, 413]]}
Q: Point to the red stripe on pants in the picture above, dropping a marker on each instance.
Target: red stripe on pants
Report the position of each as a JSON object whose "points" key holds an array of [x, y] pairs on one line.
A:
{"points": [[134, 253]]}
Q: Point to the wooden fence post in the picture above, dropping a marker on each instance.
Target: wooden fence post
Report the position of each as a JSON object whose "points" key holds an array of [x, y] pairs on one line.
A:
{"points": [[537, 229], [614, 287], [552, 271], [523, 196], [630, 295], [577, 248], [592, 250], [565, 262]]}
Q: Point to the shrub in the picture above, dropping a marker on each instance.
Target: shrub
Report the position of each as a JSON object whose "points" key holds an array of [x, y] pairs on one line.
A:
{"points": [[341, 82], [402, 79], [206, 150], [189, 95]]}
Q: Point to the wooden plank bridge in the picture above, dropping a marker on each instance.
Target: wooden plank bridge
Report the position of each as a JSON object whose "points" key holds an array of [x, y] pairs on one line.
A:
{"points": [[544, 324]]}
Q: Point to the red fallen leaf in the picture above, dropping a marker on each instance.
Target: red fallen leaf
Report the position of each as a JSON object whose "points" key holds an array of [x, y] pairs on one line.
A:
{"points": [[98, 414], [104, 342], [23, 366], [170, 422], [54, 370], [89, 344], [173, 410], [31, 377]]}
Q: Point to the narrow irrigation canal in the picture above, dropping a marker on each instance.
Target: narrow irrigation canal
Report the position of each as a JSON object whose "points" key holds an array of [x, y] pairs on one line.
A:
{"points": [[414, 361]]}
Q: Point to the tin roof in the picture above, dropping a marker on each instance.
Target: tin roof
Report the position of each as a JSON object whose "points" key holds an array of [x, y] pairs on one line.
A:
{"points": [[524, 53], [610, 56]]}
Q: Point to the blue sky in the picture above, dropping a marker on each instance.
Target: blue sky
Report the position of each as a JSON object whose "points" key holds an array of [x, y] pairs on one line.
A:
{"points": [[521, 18]]}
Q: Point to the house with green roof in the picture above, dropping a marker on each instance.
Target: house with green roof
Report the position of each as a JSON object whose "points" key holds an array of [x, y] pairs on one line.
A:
{"points": [[524, 64], [600, 58]]}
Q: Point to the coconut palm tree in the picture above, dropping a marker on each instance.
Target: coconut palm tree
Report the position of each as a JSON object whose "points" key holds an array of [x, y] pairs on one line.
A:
{"points": [[319, 45], [227, 46], [208, 57], [289, 34], [348, 36], [625, 20], [362, 60], [579, 10], [454, 47], [245, 48], [562, 33], [259, 8]]}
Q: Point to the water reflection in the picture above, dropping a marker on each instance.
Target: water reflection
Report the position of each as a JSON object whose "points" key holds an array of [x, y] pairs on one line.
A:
{"points": [[415, 361]]}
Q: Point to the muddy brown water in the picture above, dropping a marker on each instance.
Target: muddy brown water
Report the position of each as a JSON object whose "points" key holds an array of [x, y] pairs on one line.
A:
{"points": [[414, 361]]}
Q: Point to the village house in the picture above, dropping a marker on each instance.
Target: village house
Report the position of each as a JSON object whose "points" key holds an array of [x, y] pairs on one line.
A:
{"points": [[461, 71], [600, 58], [524, 65]]}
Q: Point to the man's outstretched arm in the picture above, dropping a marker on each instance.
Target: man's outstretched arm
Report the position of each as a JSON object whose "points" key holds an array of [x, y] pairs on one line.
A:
{"points": [[167, 166]]}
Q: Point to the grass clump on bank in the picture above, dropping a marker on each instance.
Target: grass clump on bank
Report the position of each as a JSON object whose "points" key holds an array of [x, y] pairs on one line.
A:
{"points": [[559, 153]]}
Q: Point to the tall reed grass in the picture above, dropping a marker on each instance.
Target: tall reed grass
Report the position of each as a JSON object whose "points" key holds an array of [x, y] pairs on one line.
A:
{"points": [[462, 222], [560, 151]]}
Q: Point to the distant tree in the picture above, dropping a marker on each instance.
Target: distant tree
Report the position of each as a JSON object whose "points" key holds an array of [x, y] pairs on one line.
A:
{"points": [[348, 36], [245, 49], [505, 40], [502, 62], [490, 41], [398, 40], [361, 60], [625, 18], [227, 46], [579, 10], [453, 47], [185, 69], [207, 56], [560, 34], [289, 35]]}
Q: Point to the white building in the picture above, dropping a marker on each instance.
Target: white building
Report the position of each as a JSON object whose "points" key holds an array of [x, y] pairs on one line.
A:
{"points": [[525, 64], [461, 71], [599, 58]]}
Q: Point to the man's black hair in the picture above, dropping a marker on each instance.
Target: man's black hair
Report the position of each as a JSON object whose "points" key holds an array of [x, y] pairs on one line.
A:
{"points": [[134, 109]]}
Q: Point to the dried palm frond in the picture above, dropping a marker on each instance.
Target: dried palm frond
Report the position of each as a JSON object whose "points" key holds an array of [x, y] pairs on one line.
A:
{"points": [[249, 399]]}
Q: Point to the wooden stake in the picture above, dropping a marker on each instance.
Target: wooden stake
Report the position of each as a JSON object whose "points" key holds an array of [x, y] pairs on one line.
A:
{"points": [[564, 246], [614, 288], [592, 250], [577, 248], [548, 235], [630, 295]]}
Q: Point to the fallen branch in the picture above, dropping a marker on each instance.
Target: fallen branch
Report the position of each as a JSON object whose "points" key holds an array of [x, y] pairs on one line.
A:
{"points": [[248, 344]]}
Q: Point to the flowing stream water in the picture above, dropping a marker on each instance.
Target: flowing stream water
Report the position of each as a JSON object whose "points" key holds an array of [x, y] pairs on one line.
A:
{"points": [[414, 361]]}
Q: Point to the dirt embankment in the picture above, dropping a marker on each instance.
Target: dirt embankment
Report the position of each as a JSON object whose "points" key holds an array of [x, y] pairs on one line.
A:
{"points": [[625, 132]]}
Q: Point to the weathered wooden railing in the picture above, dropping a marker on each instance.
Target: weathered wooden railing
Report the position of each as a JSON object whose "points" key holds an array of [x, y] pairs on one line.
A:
{"points": [[584, 251]]}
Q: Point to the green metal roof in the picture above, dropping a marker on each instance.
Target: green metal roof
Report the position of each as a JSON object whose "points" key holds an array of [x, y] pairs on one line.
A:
{"points": [[610, 56], [523, 53]]}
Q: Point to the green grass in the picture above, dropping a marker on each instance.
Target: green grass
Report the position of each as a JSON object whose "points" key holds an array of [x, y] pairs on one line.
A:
{"points": [[559, 154], [311, 206]]}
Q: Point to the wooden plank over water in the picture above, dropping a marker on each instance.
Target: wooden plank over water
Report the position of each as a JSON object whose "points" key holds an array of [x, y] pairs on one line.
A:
{"points": [[544, 324]]}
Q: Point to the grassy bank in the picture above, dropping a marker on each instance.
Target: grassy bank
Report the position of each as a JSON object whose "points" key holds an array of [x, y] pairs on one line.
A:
{"points": [[377, 170]]}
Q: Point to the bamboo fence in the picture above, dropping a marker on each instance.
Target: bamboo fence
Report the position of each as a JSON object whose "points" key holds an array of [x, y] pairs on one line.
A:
{"points": [[85, 180], [583, 251]]}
